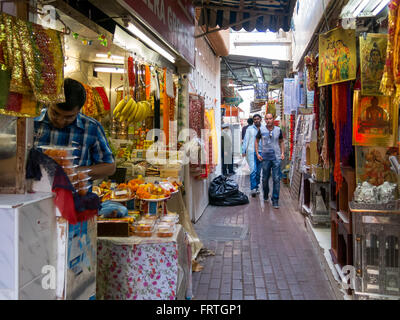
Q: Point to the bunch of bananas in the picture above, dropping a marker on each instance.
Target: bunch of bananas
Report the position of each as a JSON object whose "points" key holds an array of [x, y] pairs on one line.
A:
{"points": [[131, 111]]}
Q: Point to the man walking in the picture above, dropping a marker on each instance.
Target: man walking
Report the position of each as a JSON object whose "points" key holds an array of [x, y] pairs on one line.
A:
{"points": [[248, 151], [271, 154], [227, 152], [244, 129]]}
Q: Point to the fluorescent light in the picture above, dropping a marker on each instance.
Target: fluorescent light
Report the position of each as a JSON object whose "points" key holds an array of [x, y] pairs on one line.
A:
{"points": [[380, 7], [360, 8], [109, 69], [258, 72], [150, 42], [104, 55]]}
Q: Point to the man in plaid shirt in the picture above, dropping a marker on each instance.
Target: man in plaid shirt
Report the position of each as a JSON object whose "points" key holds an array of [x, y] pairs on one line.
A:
{"points": [[62, 124]]}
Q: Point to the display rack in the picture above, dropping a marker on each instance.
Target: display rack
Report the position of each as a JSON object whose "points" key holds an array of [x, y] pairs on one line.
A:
{"points": [[376, 254]]}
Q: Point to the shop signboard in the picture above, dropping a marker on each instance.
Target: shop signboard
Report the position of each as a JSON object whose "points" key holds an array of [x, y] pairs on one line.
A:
{"points": [[172, 20]]}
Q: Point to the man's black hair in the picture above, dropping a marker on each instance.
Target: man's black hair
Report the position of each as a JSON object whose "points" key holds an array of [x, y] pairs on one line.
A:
{"points": [[250, 121], [75, 95], [257, 115]]}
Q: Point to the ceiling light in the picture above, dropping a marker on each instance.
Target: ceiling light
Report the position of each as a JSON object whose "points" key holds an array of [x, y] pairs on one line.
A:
{"points": [[258, 72], [109, 69], [380, 7], [360, 8], [112, 57], [150, 42]]}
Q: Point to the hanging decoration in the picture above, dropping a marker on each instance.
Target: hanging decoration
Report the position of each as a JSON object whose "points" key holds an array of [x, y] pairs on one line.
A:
{"points": [[311, 65], [375, 121], [88, 42], [388, 80], [337, 56], [372, 59], [339, 117], [34, 58], [292, 128]]}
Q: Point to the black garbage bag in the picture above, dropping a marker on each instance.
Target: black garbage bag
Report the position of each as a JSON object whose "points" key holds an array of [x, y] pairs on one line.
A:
{"points": [[225, 192], [233, 200], [222, 187]]}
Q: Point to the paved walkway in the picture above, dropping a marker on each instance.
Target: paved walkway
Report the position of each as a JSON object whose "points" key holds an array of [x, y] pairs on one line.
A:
{"points": [[275, 260]]}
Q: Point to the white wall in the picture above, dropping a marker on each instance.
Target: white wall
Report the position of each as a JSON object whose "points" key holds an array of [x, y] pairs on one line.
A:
{"points": [[306, 20], [205, 81]]}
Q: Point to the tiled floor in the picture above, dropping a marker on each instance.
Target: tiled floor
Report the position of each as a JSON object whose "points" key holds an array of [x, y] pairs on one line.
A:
{"points": [[276, 261]]}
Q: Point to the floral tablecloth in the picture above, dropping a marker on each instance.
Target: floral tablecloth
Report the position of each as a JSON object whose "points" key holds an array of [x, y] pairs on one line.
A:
{"points": [[138, 269]]}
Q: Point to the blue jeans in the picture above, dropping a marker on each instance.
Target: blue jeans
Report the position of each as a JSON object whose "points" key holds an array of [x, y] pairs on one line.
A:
{"points": [[255, 167], [275, 167]]}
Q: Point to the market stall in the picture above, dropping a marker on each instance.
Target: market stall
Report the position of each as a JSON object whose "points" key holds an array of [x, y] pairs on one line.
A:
{"points": [[136, 93], [345, 152]]}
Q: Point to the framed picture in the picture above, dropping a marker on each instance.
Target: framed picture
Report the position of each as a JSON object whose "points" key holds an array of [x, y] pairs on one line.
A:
{"points": [[373, 165], [337, 56], [372, 59], [375, 121]]}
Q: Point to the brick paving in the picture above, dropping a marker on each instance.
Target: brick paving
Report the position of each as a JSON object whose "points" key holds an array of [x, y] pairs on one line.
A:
{"points": [[276, 261]]}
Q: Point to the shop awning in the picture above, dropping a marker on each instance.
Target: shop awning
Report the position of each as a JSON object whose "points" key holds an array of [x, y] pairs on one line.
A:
{"points": [[247, 14]]}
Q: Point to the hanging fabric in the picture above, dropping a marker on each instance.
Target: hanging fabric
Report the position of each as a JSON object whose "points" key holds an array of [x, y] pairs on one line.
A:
{"points": [[165, 108], [339, 118], [157, 103], [147, 81]]}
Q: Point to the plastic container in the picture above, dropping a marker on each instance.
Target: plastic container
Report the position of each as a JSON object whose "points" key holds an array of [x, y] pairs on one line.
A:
{"points": [[121, 194], [83, 173], [70, 170], [83, 191], [65, 161], [144, 225], [169, 220], [164, 230], [144, 228], [58, 151], [73, 177]]}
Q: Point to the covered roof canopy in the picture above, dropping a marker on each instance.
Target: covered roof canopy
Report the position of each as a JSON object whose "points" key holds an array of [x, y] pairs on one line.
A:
{"points": [[248, 14], [242, 70]]}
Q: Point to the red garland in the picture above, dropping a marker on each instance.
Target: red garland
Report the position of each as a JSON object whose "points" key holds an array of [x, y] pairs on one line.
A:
{"points": [[131, 72], [292, 128]]}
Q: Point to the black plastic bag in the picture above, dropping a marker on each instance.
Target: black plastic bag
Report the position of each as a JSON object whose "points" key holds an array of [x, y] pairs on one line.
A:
{"points": [[225, 192], [233, 200], [222, 187]]}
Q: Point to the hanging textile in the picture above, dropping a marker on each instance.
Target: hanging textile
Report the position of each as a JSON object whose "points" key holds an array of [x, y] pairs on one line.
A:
{"points": [[147, 82], [391, 75], [35, 58], [346, 133], [102, 93], [165, 108], [339, 117]]}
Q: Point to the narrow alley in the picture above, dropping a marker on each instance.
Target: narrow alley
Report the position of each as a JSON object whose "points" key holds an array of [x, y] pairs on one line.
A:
{"points": [[261, 253]]}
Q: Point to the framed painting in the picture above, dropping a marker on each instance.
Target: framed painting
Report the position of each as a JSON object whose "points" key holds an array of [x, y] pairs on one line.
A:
{"points": [[372, 59], [337, 56], [373, 165], [375, 121]]}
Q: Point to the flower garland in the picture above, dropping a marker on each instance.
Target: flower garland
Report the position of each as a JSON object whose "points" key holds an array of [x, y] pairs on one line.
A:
{"points": [[311, 64], [292, 128]]}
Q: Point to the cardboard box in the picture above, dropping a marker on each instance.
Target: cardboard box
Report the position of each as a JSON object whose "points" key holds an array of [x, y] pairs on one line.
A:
{"points": [[114, 228]]}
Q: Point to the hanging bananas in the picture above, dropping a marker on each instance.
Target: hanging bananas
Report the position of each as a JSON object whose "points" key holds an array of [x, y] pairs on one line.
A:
{"points": [[132, 111]]}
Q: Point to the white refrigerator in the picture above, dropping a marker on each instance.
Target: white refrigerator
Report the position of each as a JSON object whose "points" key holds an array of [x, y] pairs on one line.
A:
{"points": [[42, 256]]}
